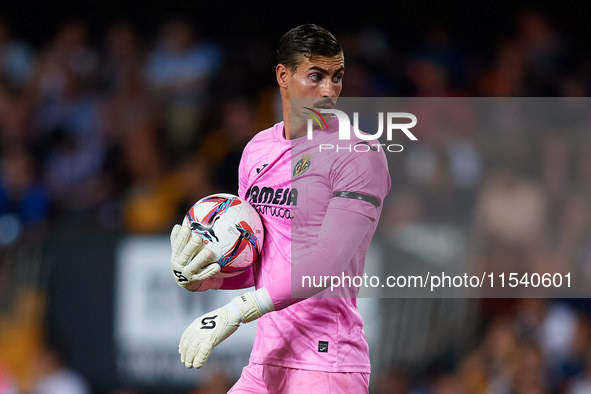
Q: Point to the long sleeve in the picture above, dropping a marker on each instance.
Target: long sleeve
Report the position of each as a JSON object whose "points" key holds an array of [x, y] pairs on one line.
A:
{"points": [[341, 234]]}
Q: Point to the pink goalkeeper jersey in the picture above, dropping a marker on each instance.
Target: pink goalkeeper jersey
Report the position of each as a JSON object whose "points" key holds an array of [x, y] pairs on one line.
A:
{"points": [[292, 185]]}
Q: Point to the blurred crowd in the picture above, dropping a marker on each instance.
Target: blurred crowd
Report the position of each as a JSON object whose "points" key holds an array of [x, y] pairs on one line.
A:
{"points": [[532, 346], [123, 133]]}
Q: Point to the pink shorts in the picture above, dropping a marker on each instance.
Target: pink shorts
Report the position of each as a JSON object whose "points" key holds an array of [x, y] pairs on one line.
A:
{"points": [[270, 379]]}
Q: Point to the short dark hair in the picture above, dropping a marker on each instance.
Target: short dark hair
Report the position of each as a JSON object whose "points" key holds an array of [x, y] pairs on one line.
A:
{"points": [[309, 40]]}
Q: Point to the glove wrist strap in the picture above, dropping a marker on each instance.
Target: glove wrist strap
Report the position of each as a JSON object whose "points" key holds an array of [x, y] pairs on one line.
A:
{"points": [[264, 299], [248, 306], [253, 305]]}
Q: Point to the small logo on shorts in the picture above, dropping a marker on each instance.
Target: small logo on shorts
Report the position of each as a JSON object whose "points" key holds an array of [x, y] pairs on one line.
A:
{"points": [[322, 346]]}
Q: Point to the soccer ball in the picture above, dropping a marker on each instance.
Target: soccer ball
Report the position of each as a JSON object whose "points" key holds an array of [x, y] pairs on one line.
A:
{"points": [[231, 228]]}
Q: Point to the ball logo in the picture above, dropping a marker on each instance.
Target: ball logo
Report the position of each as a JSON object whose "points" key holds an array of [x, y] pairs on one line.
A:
{"points": [[205, 227], [302, 165], [205, 230], [230, 228]]}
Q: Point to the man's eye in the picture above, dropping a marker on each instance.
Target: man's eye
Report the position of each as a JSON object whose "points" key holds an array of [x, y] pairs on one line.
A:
{"points": [[337, 78], [315, 77]]}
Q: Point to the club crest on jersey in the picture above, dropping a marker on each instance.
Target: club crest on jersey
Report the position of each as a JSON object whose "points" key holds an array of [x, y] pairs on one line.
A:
{"points": [[302, 165]]}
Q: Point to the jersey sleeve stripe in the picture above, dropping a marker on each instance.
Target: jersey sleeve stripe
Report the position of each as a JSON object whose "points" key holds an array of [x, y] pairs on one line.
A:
{"points": [[358, 196]]}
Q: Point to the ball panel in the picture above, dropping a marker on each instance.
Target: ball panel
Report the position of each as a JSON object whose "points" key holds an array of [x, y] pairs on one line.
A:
{"points": [[231, 228]]}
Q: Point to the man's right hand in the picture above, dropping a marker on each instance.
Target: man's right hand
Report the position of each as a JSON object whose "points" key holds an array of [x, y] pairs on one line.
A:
{"points": [[191, 262]]}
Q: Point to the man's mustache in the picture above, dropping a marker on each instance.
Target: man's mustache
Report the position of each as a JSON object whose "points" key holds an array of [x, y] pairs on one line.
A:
{"points": [[325, 103]]}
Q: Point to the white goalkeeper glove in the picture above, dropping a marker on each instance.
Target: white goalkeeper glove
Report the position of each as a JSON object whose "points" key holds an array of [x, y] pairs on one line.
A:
{"points": [[209, 330], [191, 262]]}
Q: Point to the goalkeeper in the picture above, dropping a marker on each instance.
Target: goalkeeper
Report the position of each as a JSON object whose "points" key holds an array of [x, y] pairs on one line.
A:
{"points": [[334, 206]]}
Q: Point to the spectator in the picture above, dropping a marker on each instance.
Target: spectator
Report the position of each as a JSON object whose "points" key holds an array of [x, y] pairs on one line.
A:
{"points": [[16, 60], [511, 210], [543, 50], [67, 57], [23, 199], [223, 148], [154, 194], [67, 127], [53, 376], [122, 57], [179, 70], [506, 77]]}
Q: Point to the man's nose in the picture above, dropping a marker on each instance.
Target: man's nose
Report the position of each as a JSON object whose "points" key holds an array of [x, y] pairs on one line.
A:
{"points": [[328, 89]]}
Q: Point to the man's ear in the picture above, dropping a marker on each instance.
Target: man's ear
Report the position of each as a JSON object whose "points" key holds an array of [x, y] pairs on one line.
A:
{"points": [[281, 74]]}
